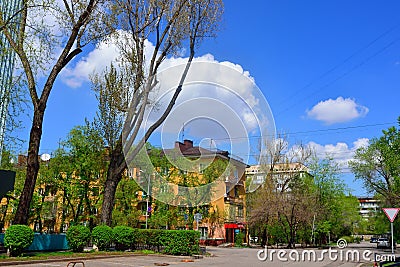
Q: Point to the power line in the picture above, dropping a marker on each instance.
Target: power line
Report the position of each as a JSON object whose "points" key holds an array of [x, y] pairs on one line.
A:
{"points": [[342, 62], [309, 131], [355, 67]]}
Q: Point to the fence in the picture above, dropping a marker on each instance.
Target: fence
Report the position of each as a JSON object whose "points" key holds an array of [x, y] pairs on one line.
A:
{"points": [[45, 242]]}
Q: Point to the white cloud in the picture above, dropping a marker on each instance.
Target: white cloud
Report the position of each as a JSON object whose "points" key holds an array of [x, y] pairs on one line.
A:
{"points": [[337, 111], [341, 152], [219, 100], [96, 61]]}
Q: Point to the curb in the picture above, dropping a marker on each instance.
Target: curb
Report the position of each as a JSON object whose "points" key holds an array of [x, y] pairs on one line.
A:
{"points": [[11, 263]]}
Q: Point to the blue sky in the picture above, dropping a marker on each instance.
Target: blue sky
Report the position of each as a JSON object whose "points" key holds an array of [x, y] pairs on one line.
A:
{"points": [[330, 71]]}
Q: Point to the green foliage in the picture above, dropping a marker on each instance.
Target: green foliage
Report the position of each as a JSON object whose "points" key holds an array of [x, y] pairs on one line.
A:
{"points": [[377, 166], [180, 242], [149, 238], [239, 239], [124, 237], [349, 239], [125, 212], [102, 236], [77, 237], [18, 237]]}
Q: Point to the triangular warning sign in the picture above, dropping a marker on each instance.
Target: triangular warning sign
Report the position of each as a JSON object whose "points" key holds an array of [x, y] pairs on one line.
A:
{"points": [[391, 213]]}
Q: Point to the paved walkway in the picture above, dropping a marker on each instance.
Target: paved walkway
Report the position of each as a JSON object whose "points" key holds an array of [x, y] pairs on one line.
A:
{"points": [[229, 257]]}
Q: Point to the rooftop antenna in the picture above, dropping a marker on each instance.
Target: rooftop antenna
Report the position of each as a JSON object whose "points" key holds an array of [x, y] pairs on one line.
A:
{"points": [[183, 132]]}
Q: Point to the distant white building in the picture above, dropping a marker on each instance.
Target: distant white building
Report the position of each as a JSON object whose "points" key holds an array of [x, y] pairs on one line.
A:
{"points": [[368, 206], [282, 174]]}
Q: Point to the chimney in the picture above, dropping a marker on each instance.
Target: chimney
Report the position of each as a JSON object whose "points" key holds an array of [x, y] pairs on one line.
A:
{"points": [[188, 143], [184, 146]]}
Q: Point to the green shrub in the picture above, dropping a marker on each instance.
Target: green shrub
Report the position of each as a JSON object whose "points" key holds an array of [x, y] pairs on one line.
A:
{"points": [[180, 242], [18, 237], [77, 237], [349, 239], [239, 239], [149, 238], [102, 236], [124, 237]]}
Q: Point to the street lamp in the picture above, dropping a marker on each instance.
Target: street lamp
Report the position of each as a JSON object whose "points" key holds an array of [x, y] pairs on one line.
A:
{"points": [[148, 196]]}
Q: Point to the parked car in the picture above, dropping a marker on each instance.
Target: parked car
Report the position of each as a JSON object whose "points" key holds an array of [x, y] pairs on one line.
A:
{"points": [[373, 240], [384, 242]]}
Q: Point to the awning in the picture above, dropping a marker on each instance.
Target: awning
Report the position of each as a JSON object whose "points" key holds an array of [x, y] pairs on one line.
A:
{"points": [[234, 226]]}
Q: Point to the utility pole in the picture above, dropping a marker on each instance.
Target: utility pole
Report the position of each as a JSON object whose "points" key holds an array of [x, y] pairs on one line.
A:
{"points": [[148, 196], [147, 200]]}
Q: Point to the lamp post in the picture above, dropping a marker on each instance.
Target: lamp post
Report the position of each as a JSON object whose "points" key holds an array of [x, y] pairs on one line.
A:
{"points": [[148, 196]]}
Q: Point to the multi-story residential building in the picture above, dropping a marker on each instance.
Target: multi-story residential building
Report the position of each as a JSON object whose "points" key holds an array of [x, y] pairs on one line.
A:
{"points": [[7, 9], [226, 210], [223, 209], [282, 173], [368, 206]]}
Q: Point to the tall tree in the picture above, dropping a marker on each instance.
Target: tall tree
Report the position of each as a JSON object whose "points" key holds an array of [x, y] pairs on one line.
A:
{"points": [[170, 25], [287, 191], [377, 165], [42, 52]]}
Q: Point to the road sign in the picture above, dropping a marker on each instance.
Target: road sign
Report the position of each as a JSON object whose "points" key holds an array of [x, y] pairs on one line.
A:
{"points": [[391, 213], [198, 217]]}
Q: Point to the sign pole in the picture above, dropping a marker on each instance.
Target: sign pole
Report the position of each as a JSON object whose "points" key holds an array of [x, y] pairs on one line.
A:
{"points": [[391, 229], [391, 213]]}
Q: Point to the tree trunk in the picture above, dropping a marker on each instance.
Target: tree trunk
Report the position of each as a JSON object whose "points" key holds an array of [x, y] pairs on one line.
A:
{"points": [[114, 175], [32, 169]]}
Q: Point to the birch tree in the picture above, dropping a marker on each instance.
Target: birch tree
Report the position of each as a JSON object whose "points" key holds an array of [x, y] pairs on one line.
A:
{"points": [[172, 25], [46, 35]]}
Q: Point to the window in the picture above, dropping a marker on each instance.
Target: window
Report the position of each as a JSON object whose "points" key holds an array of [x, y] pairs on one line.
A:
{"points": [[144, 208], [236, 174], [36, 227], [163, 188], [165, 171], [232, 211], [201, 168], [240, 211], [203, 232], [236, 191], [260, 179]]}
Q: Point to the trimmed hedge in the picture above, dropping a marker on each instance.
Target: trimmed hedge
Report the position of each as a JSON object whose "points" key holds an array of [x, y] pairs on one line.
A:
{"points": [[174, 242], [180, 242], [149, 239], [124, 237], [18, 237], [102, 236], [77, 237]]}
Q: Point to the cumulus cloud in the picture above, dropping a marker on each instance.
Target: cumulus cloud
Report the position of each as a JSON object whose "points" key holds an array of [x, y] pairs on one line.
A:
{"points": [[219, 100], [338, 110], [95, 61], [341, 152]]}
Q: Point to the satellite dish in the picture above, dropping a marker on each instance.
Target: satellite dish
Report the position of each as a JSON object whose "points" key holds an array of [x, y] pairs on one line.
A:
{"points": [[45, 157]]}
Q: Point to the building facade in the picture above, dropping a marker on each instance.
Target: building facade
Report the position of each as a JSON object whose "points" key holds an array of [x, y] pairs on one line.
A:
{"points": [[282, 173], [7, 60], [223, 214], [369, 206]]}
